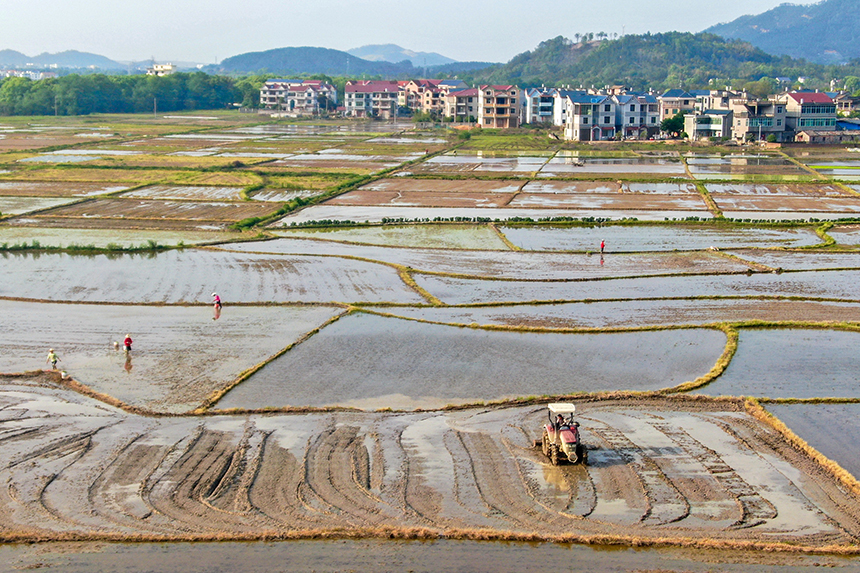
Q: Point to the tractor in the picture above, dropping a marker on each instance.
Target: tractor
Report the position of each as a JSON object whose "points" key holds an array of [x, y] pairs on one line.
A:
{"points": [[561, 441]]}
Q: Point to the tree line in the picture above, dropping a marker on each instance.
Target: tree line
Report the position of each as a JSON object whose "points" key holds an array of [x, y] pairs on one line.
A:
{"points": [[99, 93]]}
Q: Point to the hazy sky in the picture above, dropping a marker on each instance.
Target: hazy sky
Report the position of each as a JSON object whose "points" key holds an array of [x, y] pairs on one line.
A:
{"points": [[209, 31]]}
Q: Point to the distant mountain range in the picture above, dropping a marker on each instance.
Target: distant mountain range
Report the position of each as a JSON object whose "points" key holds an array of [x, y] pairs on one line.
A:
{"points": [[67, 59], [309, 60], [395, 54], [825, 32]]}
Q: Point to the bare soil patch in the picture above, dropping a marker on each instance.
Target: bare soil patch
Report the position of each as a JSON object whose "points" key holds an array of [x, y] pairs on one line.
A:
{"points": [[619, 201]]}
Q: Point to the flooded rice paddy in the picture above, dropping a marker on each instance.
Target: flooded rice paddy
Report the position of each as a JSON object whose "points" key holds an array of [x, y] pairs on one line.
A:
{"points": [[620, 239], [371, 362], [635, 313], [473, 237], [832, 285], [832, 429], [431, 556], [791, 363], [180, 354], [510, 265], [672, 469], [190, 276]]}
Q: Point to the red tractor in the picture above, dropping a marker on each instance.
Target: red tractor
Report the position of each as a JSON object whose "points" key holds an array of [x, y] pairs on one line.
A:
{"points": [[561, 441]]}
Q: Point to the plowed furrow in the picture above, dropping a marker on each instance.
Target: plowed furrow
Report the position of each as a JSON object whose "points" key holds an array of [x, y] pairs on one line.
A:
{"points": [[334, 467], [472, 509], [230, 493], [500, 485], [274, 492], [182, 491], [117, 493], [665, 504], [753, 508]]}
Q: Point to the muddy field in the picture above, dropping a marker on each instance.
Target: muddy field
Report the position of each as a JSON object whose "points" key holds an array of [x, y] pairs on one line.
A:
{"points": [[635, 313], [152, 209], [474, 237], [78, 467], [345, 388], [622, 239]]}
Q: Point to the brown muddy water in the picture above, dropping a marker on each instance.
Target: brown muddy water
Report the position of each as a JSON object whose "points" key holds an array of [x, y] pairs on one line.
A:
{"points": [[444, 556], [372, 362], [791, 363]]}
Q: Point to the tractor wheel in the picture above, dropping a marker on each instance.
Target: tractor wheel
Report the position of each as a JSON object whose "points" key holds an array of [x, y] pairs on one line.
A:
{"points": [[554, 456], [544, 446]]}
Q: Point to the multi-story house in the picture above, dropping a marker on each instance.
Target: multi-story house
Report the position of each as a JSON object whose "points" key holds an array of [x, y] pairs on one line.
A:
{"points": [[588, 117], [560, 105], [498, 106], [676, 101], [462, 105], [538, 105], [637, 115], [371, 98], [708, 124], [808, 111], [297, 96], [427, 95], [756, 119]]}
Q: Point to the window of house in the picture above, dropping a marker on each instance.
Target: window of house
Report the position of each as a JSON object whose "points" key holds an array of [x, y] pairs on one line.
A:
{"points": [[606, 119], [631, 120], [779, 122], [653, 120], [585, 120], [632, 107], [606, 107]]}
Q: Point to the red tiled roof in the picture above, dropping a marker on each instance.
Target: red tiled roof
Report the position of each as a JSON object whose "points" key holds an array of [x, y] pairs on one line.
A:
{"points": [[810, 97]]}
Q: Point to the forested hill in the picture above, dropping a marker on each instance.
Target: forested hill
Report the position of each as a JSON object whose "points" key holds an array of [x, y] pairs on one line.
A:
{"points": [[659, 61], [296, 61], [825, 32]]}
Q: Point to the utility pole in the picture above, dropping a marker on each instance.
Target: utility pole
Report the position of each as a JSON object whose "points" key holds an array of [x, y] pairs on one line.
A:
{"points": [[155, 107]]}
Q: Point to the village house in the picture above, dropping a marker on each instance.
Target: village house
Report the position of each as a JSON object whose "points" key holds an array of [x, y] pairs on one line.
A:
{"points": [[588, 117], [461, 105], [637, 115], [498, 106], [808, 111], [709, 124], [371, 98], [676, 101], [538, 105], [300, 97]]}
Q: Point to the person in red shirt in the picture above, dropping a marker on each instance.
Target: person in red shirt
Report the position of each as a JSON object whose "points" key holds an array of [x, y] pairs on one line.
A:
{"points": [[127, 343]]}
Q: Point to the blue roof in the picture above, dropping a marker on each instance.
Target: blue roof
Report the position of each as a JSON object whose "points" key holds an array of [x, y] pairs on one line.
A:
{"points": [[847, 125], [677, 92], [717, 112]]}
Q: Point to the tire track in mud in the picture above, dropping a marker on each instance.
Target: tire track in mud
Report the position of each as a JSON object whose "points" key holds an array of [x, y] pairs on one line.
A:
{"points": [[755, 510], [664, 504]]}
